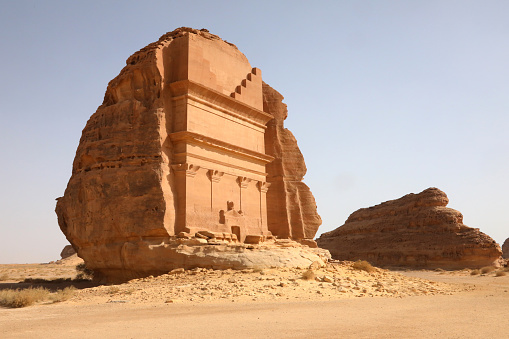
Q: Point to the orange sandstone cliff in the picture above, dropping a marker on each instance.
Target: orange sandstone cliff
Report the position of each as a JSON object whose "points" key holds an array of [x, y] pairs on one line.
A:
{"points": [[417, 230], [291, 207], [187, 148]]}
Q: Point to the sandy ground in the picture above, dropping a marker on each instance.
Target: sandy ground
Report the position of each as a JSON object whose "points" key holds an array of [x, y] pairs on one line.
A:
{"points": [[271, 303]]}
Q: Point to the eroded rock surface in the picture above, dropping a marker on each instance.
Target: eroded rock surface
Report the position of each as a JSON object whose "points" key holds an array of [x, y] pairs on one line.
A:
{"points": [[160, 258], [67, 251], [417, 230], [291, 207], [188, 140], [505, 249]]}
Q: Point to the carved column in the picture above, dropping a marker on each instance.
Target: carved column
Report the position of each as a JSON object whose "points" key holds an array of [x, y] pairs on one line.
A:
{"points": [[183, 173], [215, 177], [263, 187]]}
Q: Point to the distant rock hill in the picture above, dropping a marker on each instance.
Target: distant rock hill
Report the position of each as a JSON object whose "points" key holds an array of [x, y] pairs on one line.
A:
{"points": [[505, 249], [67, 251], [416, 230]]}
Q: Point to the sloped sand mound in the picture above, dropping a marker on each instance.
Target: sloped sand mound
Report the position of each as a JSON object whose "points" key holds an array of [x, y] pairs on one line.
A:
{"points": [[338, 280], [72, 260]]}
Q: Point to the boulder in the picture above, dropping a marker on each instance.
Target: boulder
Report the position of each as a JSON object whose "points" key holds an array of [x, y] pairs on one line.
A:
{"points": [[417, 231], [253, 239], [67, 252], [309, 242]]}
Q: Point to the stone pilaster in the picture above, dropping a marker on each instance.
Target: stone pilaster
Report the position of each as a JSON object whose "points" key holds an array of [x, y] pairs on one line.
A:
{"points": [[183, 173], [243, 184], [263, 187], [214, 176]]}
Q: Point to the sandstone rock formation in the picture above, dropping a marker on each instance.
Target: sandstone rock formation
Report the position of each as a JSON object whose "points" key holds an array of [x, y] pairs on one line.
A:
{"points": [[291, 207], [219, 255], [67, 251], [416, 230], [188, 140], [505, 249]]}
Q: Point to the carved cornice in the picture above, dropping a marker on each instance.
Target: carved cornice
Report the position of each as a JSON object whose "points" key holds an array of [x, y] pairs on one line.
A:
{"points": [[215, 176], [243, 181], [202, 140], [192, 156], [263, 186], [186, 168], [224, 103]]}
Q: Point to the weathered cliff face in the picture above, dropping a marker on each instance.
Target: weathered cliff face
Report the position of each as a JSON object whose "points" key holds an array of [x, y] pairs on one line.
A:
{"points": [[291, 207], [505, 249], [116, 191], [179, 137], [416, 230]]}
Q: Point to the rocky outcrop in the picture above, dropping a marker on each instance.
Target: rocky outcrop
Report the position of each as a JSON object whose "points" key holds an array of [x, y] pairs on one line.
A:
{"points": [[417, 230], [291, 207], [67, 251], [180, 145], [218, 255], [505, 249]]}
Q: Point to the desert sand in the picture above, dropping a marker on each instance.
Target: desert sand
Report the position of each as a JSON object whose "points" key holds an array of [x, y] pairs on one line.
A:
{"points": [[348, 303]]}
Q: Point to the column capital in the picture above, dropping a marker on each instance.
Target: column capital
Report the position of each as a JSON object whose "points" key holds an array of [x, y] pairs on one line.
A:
{"points": [[188, 169], [263, 186], [215, 176], [243, 181]]}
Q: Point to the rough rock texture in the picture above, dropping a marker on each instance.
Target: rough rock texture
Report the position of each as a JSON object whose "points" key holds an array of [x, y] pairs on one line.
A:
{"points": [[148, 172], [67, 252], [416, 230], [221, 255], [505, 249], [291, 207]]}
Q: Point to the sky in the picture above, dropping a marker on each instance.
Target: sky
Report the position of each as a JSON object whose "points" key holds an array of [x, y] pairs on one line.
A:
{"points": [[385, 98]]}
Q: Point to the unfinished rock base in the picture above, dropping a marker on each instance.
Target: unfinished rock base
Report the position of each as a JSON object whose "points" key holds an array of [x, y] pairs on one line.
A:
{"points": [[416, 231], [143, 258]]}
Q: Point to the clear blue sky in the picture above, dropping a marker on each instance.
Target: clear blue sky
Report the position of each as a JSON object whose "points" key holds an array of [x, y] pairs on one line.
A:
{"points": [[385, 98]]}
